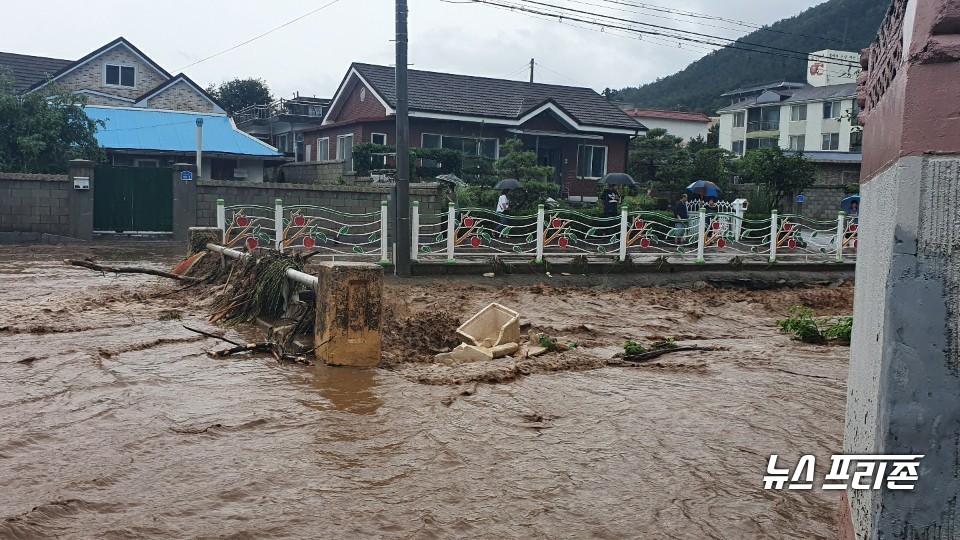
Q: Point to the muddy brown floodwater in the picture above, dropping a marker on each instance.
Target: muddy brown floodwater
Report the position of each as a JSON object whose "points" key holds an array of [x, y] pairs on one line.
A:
{"points": [[115, 424]]}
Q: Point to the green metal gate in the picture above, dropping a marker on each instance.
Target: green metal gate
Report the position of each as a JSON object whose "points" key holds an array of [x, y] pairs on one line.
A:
{"points": [[128, 199]]}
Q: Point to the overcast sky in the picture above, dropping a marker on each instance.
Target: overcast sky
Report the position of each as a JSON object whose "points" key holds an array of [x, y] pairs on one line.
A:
{"points": [[311, 55]]}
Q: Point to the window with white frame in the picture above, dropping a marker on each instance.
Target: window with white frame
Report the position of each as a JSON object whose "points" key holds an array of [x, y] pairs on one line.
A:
{"points": [[119, 75], [797, 142], [468, 146], [280, 142], [345, 149], [591, 161], [738, 119], [378, 162], [323, 149], [831, 141], [737, 147], [832, 109], [798, 113]]}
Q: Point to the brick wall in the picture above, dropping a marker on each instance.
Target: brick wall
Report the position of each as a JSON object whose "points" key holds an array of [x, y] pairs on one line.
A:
{"points": [[352, 199], [180, 97], [354, 107], [34, 203], [89, 76]]}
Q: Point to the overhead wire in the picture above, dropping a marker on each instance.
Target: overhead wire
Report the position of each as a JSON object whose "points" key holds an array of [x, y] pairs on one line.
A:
{"points": [[272, 30]]}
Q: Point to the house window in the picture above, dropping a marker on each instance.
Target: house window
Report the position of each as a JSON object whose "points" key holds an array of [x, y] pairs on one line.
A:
{"points": [[468, 146], [856, 141], [738, 119], [831, 141], [762, 142], [379, 162], [315, 110], [117, 75], [797, 142], [591, 161], [345, 149], [281, 142], [798, 113], [323, 149], [737, 148], [832, 109]]}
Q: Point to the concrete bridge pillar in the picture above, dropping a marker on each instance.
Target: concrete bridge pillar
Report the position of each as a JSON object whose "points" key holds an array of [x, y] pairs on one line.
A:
{"points": [[904, 385]]}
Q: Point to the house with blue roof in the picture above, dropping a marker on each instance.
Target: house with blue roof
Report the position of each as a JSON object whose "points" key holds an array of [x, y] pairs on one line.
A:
{"points": [[149, 116]]}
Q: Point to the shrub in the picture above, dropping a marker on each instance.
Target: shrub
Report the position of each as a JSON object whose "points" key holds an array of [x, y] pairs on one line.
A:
{"points": [[809, 329]]}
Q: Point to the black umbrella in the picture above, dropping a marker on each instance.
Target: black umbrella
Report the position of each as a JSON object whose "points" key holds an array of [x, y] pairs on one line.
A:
{"points": [[508, 183], [618, 178]]}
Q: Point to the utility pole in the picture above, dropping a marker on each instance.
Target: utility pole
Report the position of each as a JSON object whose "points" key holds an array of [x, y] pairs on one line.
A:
{"points": [[531, 69], [199, 144], [402, 237]]}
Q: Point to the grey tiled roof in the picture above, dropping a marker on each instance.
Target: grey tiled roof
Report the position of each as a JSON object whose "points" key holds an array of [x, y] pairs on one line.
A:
{"points": [[494, 98], [29, 70], [800, 95]]}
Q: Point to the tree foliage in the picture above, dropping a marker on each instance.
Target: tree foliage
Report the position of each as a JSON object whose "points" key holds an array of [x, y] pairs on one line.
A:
{"points": [[782, 175], [659, 158], [239, 94], [838, 24], [40, 134]]}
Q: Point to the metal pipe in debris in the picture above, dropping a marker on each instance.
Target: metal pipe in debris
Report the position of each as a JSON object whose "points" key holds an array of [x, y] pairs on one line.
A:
{"points": [[306, 279], [227, 251]]}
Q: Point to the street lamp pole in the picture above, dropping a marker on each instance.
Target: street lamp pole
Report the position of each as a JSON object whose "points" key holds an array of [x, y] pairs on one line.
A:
{"points": [[402, 238]]}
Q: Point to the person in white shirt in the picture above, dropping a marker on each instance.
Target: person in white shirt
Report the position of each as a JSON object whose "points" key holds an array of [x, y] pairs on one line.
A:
{"points": [[503, 205]]}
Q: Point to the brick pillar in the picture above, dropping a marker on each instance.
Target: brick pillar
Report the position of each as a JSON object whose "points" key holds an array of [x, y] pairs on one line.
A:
{"points": [[184, 201], [903, 392], [80, 201]]}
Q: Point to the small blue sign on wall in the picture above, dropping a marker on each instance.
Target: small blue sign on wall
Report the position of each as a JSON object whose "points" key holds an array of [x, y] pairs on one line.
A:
{"points": [[801, 198], [186, 176]]}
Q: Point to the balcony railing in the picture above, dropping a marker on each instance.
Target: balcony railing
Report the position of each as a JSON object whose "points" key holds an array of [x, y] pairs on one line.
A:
{"points": [[763, 126], [277, 108]]}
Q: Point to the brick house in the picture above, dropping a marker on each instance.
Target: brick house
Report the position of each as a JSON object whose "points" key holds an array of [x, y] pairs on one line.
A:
{"points": [[574, 130], [149, 115]]}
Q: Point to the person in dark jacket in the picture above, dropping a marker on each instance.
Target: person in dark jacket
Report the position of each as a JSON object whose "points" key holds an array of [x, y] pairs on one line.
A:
{"points": [[611, 200], [680, 217]]}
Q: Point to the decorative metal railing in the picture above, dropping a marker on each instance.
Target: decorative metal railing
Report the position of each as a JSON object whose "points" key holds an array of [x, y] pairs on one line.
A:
{"points": [[475, 233]]}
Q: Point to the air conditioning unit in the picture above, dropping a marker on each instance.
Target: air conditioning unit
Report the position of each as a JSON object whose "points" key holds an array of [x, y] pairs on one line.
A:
{"points": [[240, 173]]}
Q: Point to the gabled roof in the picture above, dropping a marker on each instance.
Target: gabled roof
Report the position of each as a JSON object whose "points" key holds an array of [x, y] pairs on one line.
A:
{"points": [[668, 115], [152, 130], [483, 98], [170, 82], [801, 95], [27, 70], [120, 41], [758, 88]]}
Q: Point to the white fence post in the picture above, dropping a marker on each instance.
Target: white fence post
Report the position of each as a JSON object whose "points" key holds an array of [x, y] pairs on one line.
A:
{"points": [[738, 225], [540, 232], [701, 235], [222, 221], [624, 226], [384, 218], [451, 231], [841, 228], [774, 229], [415, 231], [278, 224]]}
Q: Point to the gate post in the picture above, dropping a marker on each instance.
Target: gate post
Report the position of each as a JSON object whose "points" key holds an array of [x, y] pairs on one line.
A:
{"points": [[415, 231], [80, 199], [184, 201], [278, 224]]}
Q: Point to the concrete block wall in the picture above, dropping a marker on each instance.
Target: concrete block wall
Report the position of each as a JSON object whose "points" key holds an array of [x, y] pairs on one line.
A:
{"points": [[34, 203], [352, 199], [316, 172]]}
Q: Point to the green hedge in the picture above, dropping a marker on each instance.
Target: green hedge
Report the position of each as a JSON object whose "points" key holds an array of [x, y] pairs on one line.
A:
{"points": [[447, 161]]}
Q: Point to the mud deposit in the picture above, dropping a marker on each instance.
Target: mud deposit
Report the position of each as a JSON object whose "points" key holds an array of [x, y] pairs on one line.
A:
{"points": [[115, 424]]}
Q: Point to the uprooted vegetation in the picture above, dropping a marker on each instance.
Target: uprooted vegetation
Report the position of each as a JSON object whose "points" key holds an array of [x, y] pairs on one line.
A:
{"points": [[804, 326]]}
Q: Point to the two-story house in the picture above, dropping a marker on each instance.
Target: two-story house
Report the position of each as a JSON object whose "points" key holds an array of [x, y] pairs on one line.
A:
{"points": [[574, 130], [280, 123], [149, 116]]}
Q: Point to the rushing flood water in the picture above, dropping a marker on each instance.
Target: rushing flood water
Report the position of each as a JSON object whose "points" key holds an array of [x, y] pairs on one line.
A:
{"points": [[115, 424]]}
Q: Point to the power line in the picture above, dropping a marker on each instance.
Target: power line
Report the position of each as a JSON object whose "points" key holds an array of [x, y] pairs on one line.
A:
{"points": [[288, 23], [696, 15], [524, 67], [663, 28], [538, 64], [675, 34]]}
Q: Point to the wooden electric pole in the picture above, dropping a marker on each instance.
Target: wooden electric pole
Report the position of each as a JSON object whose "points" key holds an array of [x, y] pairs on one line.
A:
{"points": [[531, 69]]}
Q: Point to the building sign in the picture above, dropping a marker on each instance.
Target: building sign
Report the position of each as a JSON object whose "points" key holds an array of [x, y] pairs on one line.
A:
{"points": [[186, 176], [829, 67]]}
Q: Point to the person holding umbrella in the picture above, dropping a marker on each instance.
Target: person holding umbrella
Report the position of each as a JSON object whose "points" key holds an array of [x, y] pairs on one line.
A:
{"points": [[503, 202], [680, 218]]}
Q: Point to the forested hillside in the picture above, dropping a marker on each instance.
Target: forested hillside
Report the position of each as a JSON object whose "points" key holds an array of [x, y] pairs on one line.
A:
{"points": [[847, 25]]}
